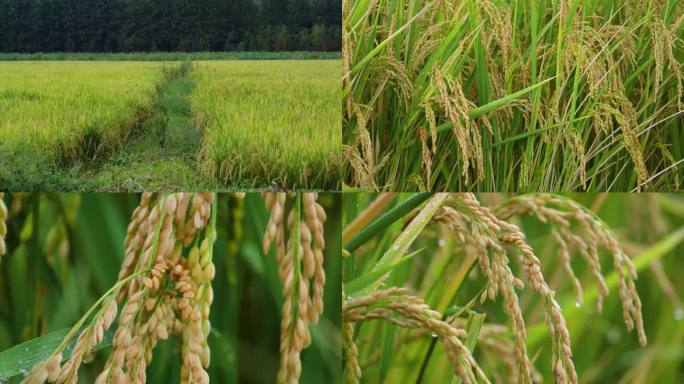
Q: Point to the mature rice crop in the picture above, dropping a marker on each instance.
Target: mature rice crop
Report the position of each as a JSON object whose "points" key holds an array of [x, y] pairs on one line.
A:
{"points": [[65, 110], [513, 288], [270, 123], [183, 293], [497, 95]]}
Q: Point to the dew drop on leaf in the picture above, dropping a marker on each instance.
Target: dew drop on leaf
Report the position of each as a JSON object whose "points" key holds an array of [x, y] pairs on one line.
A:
{"points": [[679, 314], [613, 336], [441, 242]]}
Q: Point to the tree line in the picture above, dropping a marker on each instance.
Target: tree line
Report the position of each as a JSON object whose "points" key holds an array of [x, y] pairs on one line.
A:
{"points": [[28, 26]]}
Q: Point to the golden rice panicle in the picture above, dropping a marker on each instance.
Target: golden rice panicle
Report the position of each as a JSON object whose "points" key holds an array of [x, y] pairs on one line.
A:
{"points": [[294, 334], [275, 228], [52, 370], [87, 340], [575, 225], [312, 261], [361, 155], [3, 225], [135, 236], [47, 371], [496, 242], [301, 271], [396, 306], [352, 353], [195, 351], [161, 290]]}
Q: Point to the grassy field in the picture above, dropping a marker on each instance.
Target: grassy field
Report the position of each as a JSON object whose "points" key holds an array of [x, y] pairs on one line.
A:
{"points": [[65, 251], [577, 288], [498, 95], [63, 110], [270, 122], [132, 126]]}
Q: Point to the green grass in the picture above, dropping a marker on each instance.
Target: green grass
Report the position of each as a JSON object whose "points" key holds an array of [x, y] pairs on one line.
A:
{"points": [[441, 269], [269, 123], [170, 56], [588, 97], [46, 288], [162, 157]]}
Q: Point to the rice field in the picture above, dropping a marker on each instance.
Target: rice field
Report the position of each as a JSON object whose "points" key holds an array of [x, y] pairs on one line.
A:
{"points": [[270, 123], [498, 95], [57, 110], [123, 125]]}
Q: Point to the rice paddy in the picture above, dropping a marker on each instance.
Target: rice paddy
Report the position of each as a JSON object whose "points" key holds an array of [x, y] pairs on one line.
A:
{"points": [[53, 108], [114, 126], [273, 122], [522, 95]]}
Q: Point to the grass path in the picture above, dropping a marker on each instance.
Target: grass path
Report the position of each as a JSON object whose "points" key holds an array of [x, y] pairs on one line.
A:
{"points": [[159, 154], [163, 156]]}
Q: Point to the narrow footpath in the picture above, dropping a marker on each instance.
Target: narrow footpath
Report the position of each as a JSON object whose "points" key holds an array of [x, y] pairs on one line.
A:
{"points": [[162, 154]]}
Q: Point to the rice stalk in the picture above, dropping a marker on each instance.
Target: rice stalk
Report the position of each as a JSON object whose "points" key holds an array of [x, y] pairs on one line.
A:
{"points": [[296, 232], [161, 291], [484, 245], [475, 75]]}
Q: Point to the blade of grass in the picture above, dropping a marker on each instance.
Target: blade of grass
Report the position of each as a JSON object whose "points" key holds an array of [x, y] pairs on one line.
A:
{"points": [[386, 220]]}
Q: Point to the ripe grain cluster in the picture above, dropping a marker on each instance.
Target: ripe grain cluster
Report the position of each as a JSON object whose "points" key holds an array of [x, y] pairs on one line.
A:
{"points": [[60, 111], [270, 122], [497, 95], [488, 251]]}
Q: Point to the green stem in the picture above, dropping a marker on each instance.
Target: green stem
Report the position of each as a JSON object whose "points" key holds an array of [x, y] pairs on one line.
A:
{"points": [[386, 220], [85, 317]]}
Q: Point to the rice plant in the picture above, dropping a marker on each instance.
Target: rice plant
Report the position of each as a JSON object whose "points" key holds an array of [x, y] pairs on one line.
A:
{"points": [[524, 288], [183, 293], [522, 95], [270, 123], [66, 110]]}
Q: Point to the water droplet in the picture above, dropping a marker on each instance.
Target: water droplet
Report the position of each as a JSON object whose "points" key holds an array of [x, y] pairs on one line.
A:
{"points": [[613, 336], [23, 372], [433, 334], [679, 314], [578, 304], [26, 349], [441, 242]]}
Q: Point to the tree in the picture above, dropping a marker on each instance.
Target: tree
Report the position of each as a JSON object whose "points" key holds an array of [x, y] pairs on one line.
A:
{"points": [[168, 25]]}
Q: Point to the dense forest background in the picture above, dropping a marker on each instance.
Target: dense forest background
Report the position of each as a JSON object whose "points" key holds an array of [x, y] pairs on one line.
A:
{"points": [[29, 26]]}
